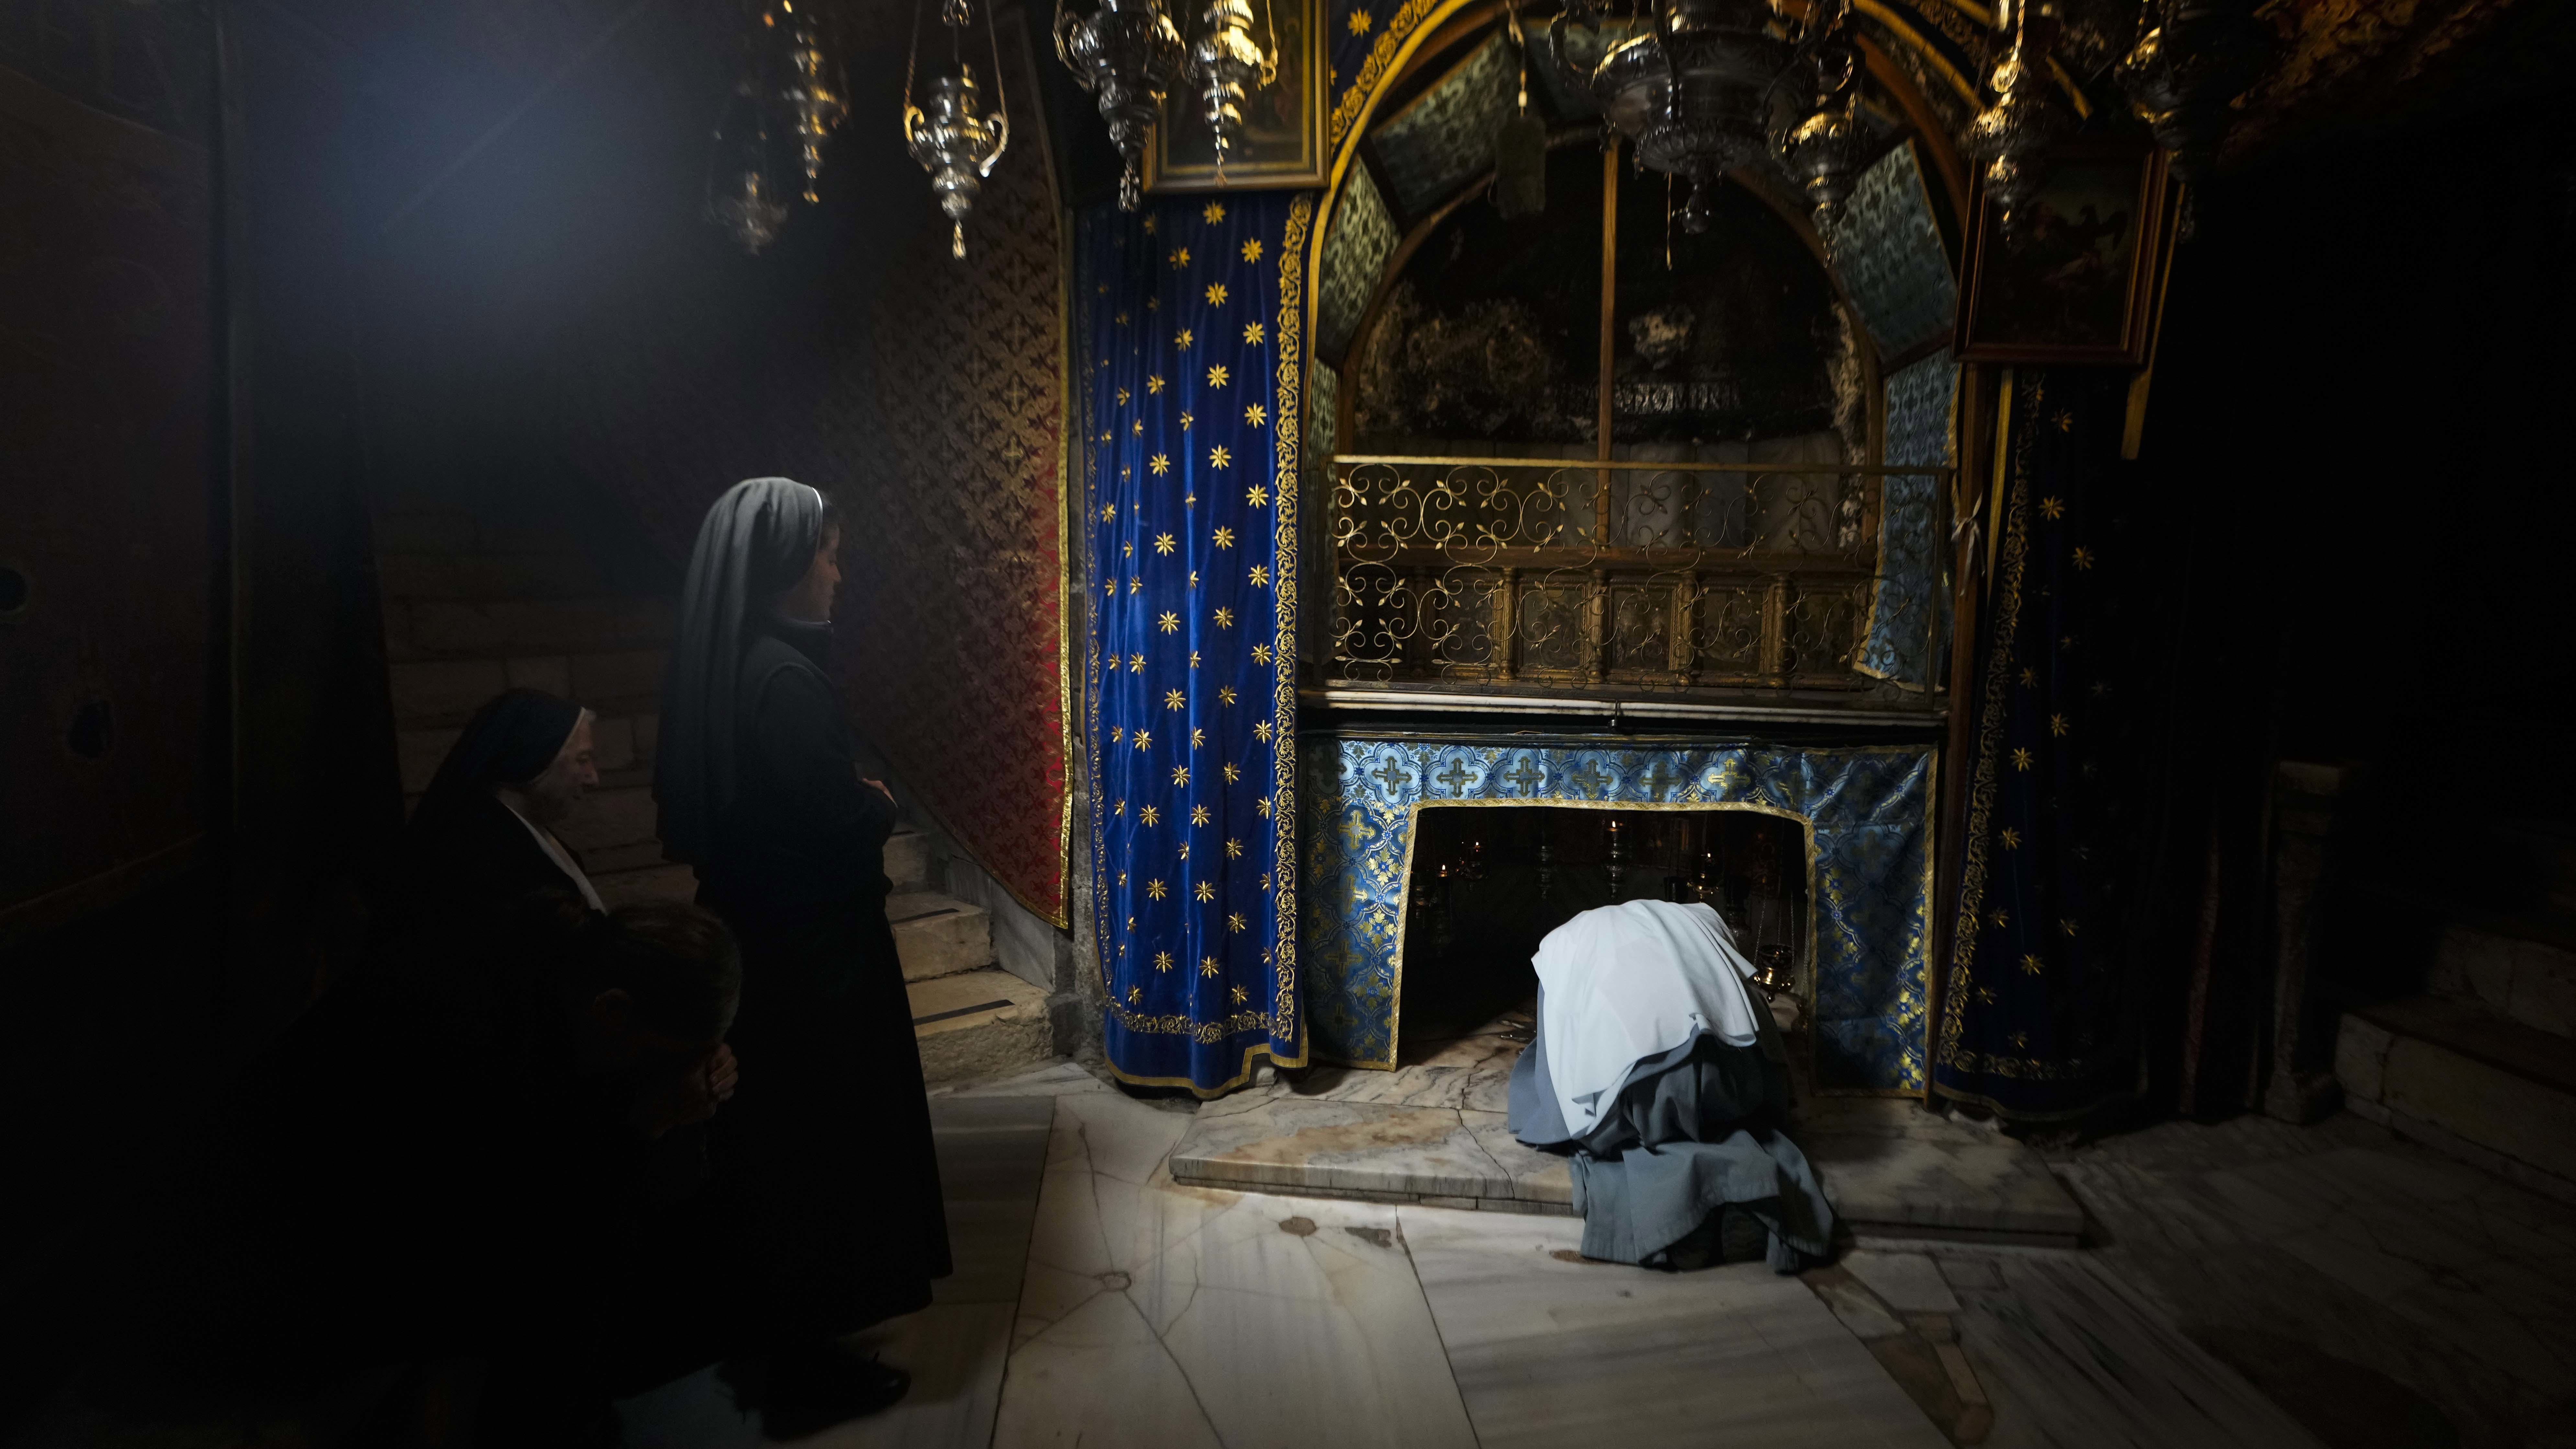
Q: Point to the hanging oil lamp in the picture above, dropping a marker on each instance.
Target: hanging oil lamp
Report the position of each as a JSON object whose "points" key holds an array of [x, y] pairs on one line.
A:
{"points": [[1224, 62], [2028, 116], [742, 196], [1824, 154], [1127, 54], [2195, 57], [952, 141], [809, 92]]}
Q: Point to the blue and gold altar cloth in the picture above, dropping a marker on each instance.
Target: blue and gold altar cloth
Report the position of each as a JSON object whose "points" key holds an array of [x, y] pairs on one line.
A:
{"points": [[1867, 815]]}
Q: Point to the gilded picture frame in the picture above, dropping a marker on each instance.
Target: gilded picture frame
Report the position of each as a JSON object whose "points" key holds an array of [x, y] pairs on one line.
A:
{"points": [[2077, 286], [1282, 145]]}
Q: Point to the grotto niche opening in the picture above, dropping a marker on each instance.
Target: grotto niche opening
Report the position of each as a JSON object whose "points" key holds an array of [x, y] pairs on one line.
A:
{"points": [[1488, 883]]}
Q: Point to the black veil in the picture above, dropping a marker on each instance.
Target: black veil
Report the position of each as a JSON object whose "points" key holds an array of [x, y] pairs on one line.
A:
{"points": [[510, 741], [758, 539]]}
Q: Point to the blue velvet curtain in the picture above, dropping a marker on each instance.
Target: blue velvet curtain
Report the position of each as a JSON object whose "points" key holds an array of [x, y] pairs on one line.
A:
{"points": [[1187, 335], [2041, 1015]]}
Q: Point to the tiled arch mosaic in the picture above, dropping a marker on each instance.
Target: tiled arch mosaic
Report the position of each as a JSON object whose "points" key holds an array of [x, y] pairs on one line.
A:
{"points": [[1867, 813]]}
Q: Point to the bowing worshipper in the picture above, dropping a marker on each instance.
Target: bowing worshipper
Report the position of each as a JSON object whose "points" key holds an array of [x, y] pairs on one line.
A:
{"points": [[1657, 1069], [826, 1155], [465, 1157], [483, 836]]}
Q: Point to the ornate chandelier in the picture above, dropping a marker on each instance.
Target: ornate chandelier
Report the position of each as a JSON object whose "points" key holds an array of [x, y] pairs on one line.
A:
{"points": [[1221, 64], [2195, 57], [955, 144], [1694, 94], [2028, 116], [1127, 54], [788, 73]]}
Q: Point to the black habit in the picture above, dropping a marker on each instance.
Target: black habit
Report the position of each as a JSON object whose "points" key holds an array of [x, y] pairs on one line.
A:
{"points": [[824, 1152]]}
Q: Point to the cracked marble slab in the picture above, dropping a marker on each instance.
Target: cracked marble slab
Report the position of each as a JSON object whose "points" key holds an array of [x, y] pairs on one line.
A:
{"points": [[1156, 1313]]}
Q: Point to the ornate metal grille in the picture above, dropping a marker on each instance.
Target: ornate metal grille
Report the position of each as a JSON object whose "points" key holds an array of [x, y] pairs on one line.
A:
{"points": [[1619, 575]]}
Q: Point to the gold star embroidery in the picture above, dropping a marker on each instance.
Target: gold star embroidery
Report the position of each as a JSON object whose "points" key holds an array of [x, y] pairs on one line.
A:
{"points": [[1231, 773], [1160, 463], [1126, 550], [1213, 212], [1260, 652], [1262, 805], [1207, 965], [1134, 583], [1225, 694], [1225, 538], [1181, 257], [2066, 925], [1194, 654], [1257, 495], [1234, 850], [1225, 618], [1198, 737], [2030, 676], [2084, 558], [1108, 511], [1162, 959], [1122, 321], [2057, 724], [1138, 428], [1117, 733], [1256, 416], [1216, 294], [1150, 814], [2002, 919], [1253, 332], [1180, 774], [1185, 850], [2012, 838], [1135, 663], [1153, 304], [1183, 338], [1190, 501], [1359, 22], [1144, 738], [1217, 376], [1122, 805], [1198, 815], [2051, 508], [1135, 994], [1252, 251], [1239, 997], [2021, 759], [1173, 699], [1154, 385], [1156, 889], [1163, 543], [1122, 397], [2031, 965], [2065, 421], [1261, 732], [1169, 622], [2021, 1040], [1234, 921], [1149, 225], [1219, 458], [1204, 891], [1187, 419]]}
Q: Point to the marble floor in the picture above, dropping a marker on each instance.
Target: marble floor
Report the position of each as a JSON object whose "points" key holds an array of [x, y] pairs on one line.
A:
{"points": [[1152, 1311]]}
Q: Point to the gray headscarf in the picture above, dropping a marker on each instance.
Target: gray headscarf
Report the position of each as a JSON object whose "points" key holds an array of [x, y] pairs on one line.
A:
{"points": [[757, 540]]}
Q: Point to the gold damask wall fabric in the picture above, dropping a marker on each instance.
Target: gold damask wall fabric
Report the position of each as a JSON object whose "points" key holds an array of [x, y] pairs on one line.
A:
{"points": [[957, 545]]}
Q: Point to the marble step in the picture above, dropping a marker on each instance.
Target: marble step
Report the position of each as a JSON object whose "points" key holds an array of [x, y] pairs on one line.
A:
{"points": [[939, 935], [2461, 1078], [2521, 976], [978, 1024]]}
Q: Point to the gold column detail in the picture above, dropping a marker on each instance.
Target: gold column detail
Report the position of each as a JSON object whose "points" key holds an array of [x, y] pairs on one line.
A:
{"points": [[1775, 631]]}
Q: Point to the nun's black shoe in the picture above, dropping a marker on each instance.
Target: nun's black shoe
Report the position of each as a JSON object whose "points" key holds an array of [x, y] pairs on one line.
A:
{"points": [[811, 1390]]}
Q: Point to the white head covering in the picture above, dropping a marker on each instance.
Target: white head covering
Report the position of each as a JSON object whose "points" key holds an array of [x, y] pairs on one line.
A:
{"points": [[1632, 981]]}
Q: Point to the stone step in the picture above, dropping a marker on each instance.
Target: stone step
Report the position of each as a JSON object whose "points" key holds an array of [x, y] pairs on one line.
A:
{"points": [[939, 935], [978, 1024], [2518, 978], [2461, 1078], [907, 860]]}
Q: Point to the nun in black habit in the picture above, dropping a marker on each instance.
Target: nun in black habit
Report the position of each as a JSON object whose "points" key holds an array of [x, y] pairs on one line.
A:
{"points": [[482, 838], [826, 1148]]}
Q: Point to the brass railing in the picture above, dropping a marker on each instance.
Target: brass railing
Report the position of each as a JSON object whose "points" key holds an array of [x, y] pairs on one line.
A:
{"points": [[1630, 574]]}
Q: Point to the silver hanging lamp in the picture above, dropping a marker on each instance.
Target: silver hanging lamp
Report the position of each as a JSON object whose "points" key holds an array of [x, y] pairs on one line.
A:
{"points": [[957, 145], [1127, 54]]}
